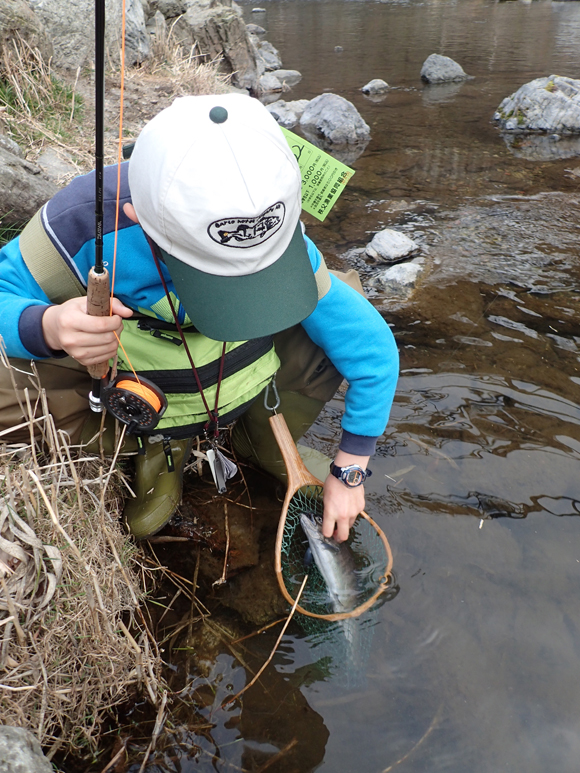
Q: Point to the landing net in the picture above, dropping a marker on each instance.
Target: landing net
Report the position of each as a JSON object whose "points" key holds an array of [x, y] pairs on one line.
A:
{"points": [[370, 551]]}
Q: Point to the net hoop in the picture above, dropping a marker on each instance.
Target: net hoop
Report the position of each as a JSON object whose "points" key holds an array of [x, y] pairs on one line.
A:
{"points": [[334, 616]]}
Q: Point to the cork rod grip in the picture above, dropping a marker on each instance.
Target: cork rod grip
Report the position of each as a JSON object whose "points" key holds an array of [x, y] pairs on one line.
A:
{"points": [[98, 305]]}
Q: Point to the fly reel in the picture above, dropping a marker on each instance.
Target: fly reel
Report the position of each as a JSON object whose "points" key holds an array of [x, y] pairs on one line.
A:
{"points": [[137, 402]]}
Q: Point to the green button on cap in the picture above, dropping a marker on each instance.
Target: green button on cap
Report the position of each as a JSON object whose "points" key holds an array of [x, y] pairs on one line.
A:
{"points": [[218, 114]]}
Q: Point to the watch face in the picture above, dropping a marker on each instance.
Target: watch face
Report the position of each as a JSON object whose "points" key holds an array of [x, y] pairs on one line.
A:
{"points": [[354, 478]]}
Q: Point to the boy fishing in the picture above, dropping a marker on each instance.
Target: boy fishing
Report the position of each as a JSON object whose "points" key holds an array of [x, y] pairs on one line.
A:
{"points": [[217, 290]]}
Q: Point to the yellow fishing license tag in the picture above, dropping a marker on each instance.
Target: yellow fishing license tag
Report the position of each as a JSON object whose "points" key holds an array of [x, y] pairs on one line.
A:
{"points": [[323, 177]]}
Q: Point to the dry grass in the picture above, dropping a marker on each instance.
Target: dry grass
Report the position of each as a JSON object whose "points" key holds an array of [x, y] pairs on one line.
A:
{"points": [[73, 643], [188, 70], [41, 108], [37, 107]]}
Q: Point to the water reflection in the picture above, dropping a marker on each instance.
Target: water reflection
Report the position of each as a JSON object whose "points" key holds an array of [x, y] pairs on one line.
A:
{"points": [[474, 664], [540, 147], [439, 93]]}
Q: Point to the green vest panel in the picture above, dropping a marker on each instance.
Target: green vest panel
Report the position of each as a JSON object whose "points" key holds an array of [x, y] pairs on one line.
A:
{"points": [[159, 355]]}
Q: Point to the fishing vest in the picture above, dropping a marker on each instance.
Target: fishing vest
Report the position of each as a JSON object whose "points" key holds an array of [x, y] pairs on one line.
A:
{"points": [[156, 352]]}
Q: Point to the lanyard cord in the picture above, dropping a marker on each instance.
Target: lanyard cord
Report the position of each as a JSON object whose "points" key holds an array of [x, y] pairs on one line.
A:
{"points": [[212, 424]]}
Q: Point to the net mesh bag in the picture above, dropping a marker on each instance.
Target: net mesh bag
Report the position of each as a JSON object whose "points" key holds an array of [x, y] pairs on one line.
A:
{"points": [[370, 552]]}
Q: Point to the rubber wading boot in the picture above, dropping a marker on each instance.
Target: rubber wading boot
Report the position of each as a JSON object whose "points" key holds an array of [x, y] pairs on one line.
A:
{"points": [[158, 486], [98, 436]]}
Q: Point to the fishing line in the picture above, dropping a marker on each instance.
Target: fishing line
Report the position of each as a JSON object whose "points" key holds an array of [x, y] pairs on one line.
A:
{"points": [[119, 151]]}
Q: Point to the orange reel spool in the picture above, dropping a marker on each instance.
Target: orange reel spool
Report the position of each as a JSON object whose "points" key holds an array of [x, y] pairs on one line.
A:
{"points": [[137, 402]]}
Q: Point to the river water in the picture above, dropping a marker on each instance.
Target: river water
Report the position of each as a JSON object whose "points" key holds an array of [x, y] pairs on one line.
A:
{"points": [[475, 661]]}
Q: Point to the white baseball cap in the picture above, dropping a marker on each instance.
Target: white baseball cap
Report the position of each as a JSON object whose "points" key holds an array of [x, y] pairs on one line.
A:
{"points": [[217, 188]]}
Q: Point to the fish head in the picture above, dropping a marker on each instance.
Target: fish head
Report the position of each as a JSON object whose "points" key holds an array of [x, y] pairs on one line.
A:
{"points": [[311, 524]]}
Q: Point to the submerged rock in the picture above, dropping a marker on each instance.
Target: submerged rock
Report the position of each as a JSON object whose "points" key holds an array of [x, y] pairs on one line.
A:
{"points": [[288, 77], [389, 246], [376, 86], [439, 93], [335, 119], [441, 69], [542, 147], [550, 104], [400, 277]]}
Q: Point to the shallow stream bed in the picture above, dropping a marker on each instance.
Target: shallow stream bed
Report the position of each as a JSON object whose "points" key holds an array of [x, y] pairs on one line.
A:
{"points": [[474, 663]]}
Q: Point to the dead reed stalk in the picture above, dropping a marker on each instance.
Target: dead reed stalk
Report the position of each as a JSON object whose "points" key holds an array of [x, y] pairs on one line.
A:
{"points": [[73, 643]]}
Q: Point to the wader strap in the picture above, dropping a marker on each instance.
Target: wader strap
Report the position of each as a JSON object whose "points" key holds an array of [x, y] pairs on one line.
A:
{"points": [[46, 264], [322, 279]]}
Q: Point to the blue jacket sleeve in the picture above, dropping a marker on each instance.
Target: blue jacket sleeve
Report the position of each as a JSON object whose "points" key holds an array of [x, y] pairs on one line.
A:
{"points": [[361, 346], [22, 303]]}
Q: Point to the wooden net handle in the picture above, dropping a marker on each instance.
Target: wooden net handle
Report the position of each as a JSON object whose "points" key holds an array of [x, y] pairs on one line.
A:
{"points": [[298, 475]]}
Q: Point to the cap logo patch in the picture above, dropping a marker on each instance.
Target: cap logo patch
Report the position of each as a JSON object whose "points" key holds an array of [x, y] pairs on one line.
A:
{"points": [[247, 232]]}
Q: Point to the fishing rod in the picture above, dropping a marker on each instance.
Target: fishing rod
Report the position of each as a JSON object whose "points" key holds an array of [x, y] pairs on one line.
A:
{"points": [[134, 401], [98, 300]]}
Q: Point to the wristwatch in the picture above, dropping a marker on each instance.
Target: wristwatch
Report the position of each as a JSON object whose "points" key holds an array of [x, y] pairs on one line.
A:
{"points": [[352, 476]]}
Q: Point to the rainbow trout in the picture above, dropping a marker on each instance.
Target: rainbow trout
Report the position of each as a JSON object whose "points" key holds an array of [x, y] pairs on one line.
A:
{"points": [[335, 563]]}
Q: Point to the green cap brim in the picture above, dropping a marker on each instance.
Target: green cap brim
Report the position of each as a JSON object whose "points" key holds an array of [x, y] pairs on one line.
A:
{"points": [[237, 308]]}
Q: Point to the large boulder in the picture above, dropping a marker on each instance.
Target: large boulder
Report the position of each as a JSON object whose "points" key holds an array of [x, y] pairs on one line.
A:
{"points": [[442, 69], [550, 104], [20, 752], [219, 32], [171, 9], [23, 188], [70, 24], [334, 119], [17, 18]]}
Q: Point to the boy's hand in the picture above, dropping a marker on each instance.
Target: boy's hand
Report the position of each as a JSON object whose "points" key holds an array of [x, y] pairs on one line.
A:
{"points": [[342, 503], [89, 340]]}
